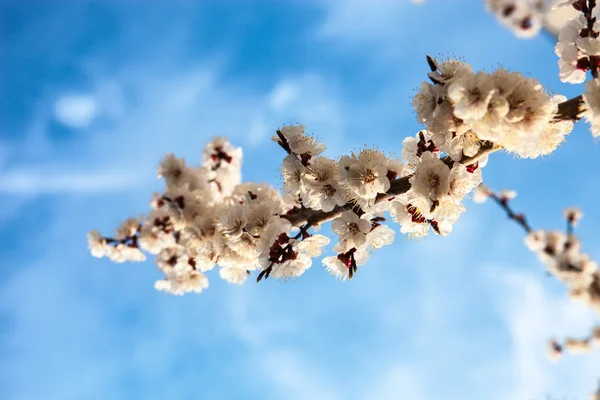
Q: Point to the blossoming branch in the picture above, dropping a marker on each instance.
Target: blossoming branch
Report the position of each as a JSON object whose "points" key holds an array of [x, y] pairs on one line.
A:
{"points": [[207, 217]]}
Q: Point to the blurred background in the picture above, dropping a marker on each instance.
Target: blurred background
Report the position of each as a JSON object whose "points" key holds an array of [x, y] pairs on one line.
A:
{"points": [[94, 93]]}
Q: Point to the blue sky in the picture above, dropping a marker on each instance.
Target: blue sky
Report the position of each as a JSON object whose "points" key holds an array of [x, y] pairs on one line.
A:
{"points": [[94, 93]]}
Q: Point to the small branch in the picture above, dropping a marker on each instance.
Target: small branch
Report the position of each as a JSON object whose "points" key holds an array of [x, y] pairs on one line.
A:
{"points": [[570, 110], [518, 218], [283, 142], [485, 149], [569, 228]]}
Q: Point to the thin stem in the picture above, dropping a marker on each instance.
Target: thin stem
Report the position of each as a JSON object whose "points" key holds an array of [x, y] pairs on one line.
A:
{"points": [[283, 142], [518, 218]]}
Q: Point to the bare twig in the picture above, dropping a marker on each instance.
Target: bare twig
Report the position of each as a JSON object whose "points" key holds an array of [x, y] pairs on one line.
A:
{"points": [[519, 218]]}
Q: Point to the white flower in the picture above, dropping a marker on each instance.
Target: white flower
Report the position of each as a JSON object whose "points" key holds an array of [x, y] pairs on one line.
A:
{"points": [[411, 220], [172, 169], [481, 194], [171, 257], [156, 232], [505, 82], [207, 253], [411, 151], [571, 267], [275, 227], [219, 153], [547, 139], [352, 230], [321, 185], [568, 51], [462, 182], [467, 144], [251, 192], [222, 180], [517, 100], [431, 180], [573, 215], [592, 101], [128, 228], [507, 194], [470, 95], [232, 221], [450, 70], [234, 275], [179, 282], [293, 174], [589, 46], [569, 33], [124, 252], [336, 267], [260, 214], [339, 266], [97, 244], [554, 350], [524, 18], [536, 240], [380, 236], [366, 174], [298, 142], [312, 245], [427, 102], [281, 256], [288, 269], [567, 65]]}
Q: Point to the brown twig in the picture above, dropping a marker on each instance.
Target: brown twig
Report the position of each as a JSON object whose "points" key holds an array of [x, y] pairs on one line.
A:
{"points": [[518, 218]]}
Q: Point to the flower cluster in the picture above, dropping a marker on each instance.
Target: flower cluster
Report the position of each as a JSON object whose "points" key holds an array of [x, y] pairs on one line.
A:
{"points": [[578, 45], [562, 255], [181, 229], [357, 189], [123, 247], [463, 110]]}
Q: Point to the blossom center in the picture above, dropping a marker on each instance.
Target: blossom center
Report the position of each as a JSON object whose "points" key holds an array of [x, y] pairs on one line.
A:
{"points": [[369, 176], [434, 180], [475, 95], [329, 190], [353, 228]]}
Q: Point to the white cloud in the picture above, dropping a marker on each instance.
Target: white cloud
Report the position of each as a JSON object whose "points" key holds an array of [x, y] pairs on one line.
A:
{"points": [[40, 181], [364, 21], [76, 110], [397, 382], [282, 94], [294, 377]]}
